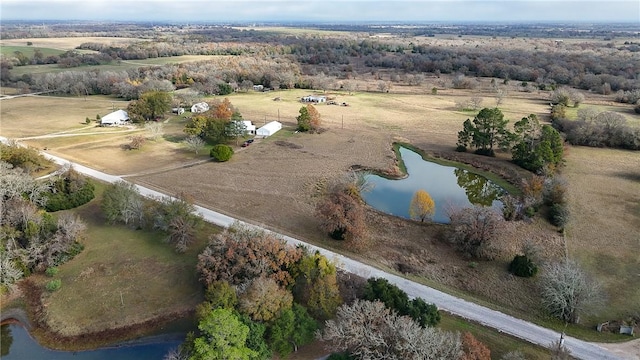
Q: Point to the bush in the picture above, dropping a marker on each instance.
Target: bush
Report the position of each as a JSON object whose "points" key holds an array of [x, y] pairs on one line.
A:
{"points": [[221, 152], [522, 266], [461, 148], [51, 271], [559, 215], [340, 356], [68, 197], [54, 285]]}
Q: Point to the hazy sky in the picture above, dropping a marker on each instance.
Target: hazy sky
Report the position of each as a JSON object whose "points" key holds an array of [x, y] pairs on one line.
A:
{"points": [[345, 11]]}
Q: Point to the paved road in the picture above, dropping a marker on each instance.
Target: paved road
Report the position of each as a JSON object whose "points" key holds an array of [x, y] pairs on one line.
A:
{"points": [[465, 309]]}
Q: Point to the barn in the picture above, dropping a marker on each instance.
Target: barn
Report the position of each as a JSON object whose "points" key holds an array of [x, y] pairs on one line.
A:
{"points": [[115, 118], [269, 129]]}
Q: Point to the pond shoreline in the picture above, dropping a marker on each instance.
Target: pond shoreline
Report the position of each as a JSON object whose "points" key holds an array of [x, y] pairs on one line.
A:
{"points": [[32, 319]]}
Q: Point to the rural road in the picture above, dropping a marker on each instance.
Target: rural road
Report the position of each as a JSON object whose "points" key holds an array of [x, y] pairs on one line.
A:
{"points": [[465, 309]]}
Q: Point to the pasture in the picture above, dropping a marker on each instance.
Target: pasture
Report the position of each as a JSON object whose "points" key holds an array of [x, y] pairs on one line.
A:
{"points": [[28, 51]]}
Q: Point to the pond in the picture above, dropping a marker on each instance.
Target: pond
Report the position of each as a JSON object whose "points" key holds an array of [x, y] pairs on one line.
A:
{"points": [[18, 344], [449, 187]]}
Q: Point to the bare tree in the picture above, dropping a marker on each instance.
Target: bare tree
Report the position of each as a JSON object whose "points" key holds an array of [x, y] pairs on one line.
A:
{"points": [[567, 291], [500, 95], [154, 129], [9, 273], [194, 143], [475, 102], [369, 330], [473, 230]]}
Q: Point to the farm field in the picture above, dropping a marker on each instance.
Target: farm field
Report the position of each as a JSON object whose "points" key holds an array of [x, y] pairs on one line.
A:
{"points": [[69, 43], [28, 50]]}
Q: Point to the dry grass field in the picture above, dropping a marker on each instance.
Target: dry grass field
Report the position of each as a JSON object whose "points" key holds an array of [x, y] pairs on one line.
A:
{"points": [[69, 43]]}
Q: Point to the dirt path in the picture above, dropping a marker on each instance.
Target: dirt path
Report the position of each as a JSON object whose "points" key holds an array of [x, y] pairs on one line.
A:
{"points": [[627, 350]]}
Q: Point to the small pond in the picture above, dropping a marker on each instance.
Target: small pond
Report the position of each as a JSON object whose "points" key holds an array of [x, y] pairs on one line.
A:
{"points": [[449, 187], [18, 344]]}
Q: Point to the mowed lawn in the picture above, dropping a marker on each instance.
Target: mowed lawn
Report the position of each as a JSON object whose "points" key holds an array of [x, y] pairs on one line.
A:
{"points": [[123, 276]]}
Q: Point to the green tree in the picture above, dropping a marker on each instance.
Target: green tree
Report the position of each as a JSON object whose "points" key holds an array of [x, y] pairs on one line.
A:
{"points": [[150, 106], [221, 152], [236, 129], [304, 120], [293, 328], [486, 131], [422, 206], [222, 336], [158, 102], [256, 339], [316, 285], [536, 147]]}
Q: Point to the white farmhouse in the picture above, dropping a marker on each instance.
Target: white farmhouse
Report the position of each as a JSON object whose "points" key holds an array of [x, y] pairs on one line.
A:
{"points": [[314, 99], [250, 128], [199, 107], [269, 129], [115, 118]]}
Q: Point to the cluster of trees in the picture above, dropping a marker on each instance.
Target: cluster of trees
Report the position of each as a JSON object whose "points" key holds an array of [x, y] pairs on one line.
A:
{"points": [[123, 203], [222, 122], [31, 239], [26, 158], [596, 128], [272, 292], [152, 105], [532, 146]]}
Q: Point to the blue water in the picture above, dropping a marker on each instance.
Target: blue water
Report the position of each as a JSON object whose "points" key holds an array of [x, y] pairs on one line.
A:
{"points": [[449, 187], [17, 344]]}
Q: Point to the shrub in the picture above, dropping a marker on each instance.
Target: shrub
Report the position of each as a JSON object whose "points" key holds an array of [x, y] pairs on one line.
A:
{"points": [[53, 285], [522, 266], [461, 148], [51, 271], [68, 195], [221, 152], [555, 190], [559, 215]]}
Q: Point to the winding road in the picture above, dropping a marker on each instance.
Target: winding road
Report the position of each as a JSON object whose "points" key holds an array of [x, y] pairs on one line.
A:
{"points": [[451, 304]]}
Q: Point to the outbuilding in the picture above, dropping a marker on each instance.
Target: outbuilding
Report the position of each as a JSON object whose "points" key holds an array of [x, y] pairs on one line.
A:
{"points": [[200, 108], [249, 127], [115, 118], [269, 129]]}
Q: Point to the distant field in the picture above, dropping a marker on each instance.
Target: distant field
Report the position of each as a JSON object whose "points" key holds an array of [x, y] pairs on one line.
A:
{"points": [[625, 110], [114, 66], [28, 50], [68, 43]]}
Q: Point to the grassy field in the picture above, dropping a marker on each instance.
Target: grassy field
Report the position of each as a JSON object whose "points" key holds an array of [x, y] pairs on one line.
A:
{"points": [[122, 277], [28, 51], [69, 43], [113, 66]]}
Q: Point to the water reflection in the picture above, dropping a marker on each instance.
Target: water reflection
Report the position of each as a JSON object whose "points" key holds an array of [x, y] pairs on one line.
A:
{"points": [[18, 344], [449, 187]]}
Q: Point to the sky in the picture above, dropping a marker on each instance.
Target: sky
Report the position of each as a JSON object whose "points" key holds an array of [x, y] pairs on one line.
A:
{"points": [[334, 11]]}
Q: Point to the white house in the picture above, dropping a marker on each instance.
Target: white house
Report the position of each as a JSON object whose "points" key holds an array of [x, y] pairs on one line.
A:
{"points": [[251, 129], [199, 107], [115, 118], [269, 129], [314, 99]]}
